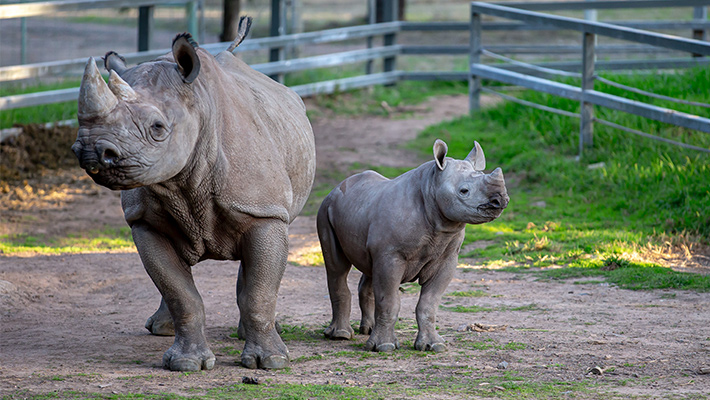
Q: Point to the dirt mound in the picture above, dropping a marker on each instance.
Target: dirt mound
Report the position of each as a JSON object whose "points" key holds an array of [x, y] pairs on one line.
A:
{"points": [[38, 148]]}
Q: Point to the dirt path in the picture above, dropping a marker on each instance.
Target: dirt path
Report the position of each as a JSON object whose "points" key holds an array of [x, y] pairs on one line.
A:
{"points": [[75, 322]]}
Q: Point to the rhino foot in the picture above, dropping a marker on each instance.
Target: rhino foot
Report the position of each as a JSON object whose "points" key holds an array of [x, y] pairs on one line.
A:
{"points": [[385, 347], [435, 343], [365, 329], [335, 333], [435, 347], [265, 351], [176, 359], [161, 323], [160, 327]]}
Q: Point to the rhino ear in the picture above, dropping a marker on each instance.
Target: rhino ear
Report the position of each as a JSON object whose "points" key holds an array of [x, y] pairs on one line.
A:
{"points": [[476, 157], [440, 150], [185, 54], [114, 62]]}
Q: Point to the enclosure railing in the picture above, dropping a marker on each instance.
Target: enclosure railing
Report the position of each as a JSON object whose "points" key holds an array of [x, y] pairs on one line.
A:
{"points": [[145, 14], [585, 94], [387, 51]]}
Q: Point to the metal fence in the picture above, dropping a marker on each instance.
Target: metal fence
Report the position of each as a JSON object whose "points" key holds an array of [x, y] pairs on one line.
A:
{"points": [[585, 94], [390, 49]]}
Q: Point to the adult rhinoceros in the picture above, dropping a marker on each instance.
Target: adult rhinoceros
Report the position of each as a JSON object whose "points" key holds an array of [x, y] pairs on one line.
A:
{"points": [[214, 161]]}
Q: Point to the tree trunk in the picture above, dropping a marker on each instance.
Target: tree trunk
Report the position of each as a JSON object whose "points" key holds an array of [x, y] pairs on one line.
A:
{"points": [[230, 20]]}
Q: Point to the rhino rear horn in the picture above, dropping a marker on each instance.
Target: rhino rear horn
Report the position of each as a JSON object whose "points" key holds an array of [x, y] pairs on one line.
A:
{"points": [[95, 97], [476, 157], [440, 150], [185, 54], [120, 88]]}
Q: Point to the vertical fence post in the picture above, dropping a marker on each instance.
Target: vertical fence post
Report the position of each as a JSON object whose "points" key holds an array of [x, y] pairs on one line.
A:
{"points": [[145, 27], [278, 26], [389, 14], [586, 127], [700, 14], [191, 9], [371, 19], [23, 40], [474, 82]]}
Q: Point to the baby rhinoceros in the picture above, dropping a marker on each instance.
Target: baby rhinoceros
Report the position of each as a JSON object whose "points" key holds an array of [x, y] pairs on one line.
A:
{"points": [[401, 230]]}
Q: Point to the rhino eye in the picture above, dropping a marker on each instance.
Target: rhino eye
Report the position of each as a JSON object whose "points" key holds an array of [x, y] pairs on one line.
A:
{"points": [[158, 130], [157, 125], [463, 191]]}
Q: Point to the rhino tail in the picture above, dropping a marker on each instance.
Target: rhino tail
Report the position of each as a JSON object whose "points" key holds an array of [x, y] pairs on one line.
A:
{"points": [[242, 32]]}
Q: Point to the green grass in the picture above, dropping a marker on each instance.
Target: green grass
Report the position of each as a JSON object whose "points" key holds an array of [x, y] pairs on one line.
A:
{"points": [[40, 114], [468, 293], [563, 213], [107, 239]]}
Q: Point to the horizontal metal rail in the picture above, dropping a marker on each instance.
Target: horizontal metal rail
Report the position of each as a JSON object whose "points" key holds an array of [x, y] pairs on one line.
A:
{"points": [[327, 60], [517, 26], [384, 78], [32, 9], [594, 97], [598, 28], [604, 5]]}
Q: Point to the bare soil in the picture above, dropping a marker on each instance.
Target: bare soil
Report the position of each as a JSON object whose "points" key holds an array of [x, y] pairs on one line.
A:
{"points": [[75, 322]]}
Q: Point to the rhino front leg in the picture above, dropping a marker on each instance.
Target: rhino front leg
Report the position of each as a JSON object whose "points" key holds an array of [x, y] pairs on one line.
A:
{"points": [[161, 323], [366, 299], [429, 298], [173, 277], [264, 255], [386, 277]]}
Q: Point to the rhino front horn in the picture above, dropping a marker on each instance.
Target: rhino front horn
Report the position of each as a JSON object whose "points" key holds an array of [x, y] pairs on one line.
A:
{"points": [[95, 97]]}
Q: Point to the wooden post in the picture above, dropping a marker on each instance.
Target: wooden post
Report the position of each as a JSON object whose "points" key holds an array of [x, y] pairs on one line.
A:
{"points": [[586, 127], [474, 82], [145, 27]]}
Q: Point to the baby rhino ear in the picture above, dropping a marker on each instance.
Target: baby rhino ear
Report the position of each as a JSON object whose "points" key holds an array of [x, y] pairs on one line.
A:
{"points": [[440, 150], [476, 157]]}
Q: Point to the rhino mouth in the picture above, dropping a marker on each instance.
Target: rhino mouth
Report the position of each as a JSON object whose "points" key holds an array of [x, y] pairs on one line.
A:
{"points": [[114, 177]]}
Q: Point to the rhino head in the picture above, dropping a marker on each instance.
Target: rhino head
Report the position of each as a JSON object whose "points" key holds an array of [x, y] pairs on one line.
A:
{"points": [[463, 192], [142, 133]]}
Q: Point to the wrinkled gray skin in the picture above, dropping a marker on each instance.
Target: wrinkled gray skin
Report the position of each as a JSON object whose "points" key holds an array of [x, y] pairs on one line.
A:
{"points": [[214, 161], [402, 230]]}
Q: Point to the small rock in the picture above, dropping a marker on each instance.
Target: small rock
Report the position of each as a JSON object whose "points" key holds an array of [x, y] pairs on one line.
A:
{"points": [[595, 371], [247, 380], [349, 382], [704, 370], [596, 165], [503, 365], [499, 388]]}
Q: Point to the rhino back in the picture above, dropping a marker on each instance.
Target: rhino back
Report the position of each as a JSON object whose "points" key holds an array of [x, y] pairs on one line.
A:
{"points": [[269, 141]]}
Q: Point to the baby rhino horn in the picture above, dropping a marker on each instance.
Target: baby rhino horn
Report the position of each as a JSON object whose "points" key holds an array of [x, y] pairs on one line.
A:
{"points": [[120, 88], [476, 157], [95, 97]]}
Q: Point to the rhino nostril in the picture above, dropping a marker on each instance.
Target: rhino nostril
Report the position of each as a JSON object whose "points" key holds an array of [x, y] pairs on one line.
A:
{"points": [[108, 154], [495, 203]]}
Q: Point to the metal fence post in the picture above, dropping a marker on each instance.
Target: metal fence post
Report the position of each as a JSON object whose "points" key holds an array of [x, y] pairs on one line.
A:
{"points": [[389, 14], [278, 26], [371, 19], [191, 9], [474, 82], [700, 14], [145, 27], [586, 127]]}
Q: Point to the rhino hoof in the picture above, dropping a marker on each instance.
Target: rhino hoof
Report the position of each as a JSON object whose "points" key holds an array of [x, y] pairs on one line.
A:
{"points": [[274, 361], [187, 364], [365, 330], [160, 328], [437, 347], [385, 347], [339, 334]]}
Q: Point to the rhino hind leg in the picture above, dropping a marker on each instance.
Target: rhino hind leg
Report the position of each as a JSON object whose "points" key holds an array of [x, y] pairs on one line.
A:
{"points": [[264, 256], [367, 305], [161, 323], [173, 277], [337, 267]]}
